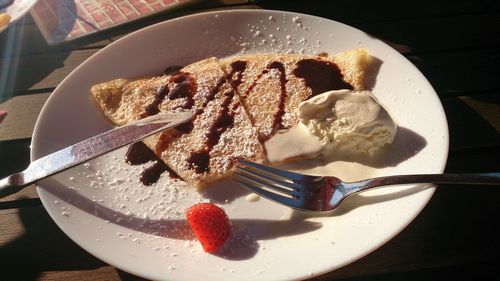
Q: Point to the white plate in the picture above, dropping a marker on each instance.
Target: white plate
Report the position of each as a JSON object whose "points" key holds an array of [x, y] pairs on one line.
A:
{"points": [[18, 9], [103, 208]]}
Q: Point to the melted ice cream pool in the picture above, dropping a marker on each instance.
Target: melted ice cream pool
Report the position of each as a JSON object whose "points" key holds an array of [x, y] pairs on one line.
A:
{"points": [[346, 121]]}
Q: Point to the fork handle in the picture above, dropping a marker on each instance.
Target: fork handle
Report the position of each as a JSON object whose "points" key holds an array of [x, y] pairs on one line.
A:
{"points": [[474, 179]]}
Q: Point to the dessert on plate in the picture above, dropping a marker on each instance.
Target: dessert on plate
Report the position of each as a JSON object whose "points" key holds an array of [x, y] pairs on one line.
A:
{"points": [[204, 149], [334, 122], [240, 103]]}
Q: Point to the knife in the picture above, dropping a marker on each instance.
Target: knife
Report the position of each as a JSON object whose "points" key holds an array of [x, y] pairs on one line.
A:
{"points": [[91, 148]]}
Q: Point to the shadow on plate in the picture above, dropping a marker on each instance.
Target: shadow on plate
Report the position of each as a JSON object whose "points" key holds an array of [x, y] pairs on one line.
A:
{"points": [[224, 191], [242, 243], [406, 144], [246, 232]]}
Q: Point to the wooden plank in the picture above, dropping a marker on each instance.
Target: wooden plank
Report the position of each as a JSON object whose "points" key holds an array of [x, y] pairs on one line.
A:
{"points": [[488, 105], [15, 156], [107, 273], [437, 34], [481, 270], [474, 160], [467, 127], [358, 11], [22, 39], [22, 114], [15, 140], [22, 198], [11, 226], [41, 72], [460, 73], [32, 244], [28, 40]]}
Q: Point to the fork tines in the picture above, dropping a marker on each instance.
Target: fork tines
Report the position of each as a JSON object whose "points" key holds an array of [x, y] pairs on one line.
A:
{"points": [[284, 174], [275, 184]]}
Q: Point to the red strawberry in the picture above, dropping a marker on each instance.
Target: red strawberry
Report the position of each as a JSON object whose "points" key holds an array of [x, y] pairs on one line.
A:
{"points": [[210, 224]]}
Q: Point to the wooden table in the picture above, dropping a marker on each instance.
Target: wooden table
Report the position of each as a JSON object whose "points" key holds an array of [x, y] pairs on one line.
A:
{"points": [[455, 44]]}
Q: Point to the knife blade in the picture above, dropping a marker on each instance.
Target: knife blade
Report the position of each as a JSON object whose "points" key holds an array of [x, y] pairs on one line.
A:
{"points": [[91, 148]]}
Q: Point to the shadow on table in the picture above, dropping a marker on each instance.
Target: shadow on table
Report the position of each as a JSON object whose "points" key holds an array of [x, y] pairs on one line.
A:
{"points": [[26, 61], [41, 247]]}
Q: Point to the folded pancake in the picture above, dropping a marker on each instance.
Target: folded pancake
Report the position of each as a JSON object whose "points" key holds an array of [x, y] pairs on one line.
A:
{"points": [[199, 151], [271, 86], [238, 102]]}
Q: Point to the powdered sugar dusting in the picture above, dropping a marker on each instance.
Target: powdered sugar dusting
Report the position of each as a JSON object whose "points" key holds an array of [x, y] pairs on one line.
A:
{"points": [[278, 35], [152, 216]]}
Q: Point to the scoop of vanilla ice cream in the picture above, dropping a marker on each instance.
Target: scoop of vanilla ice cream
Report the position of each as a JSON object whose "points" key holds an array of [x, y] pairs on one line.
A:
{"points": [[353, 121]]}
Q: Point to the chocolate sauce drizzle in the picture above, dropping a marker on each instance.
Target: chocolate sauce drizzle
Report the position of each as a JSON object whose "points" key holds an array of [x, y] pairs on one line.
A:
{"points": [[138, 153], [254, 83], [237, 67], [153, 108], [185, 88], [278, 116], [320, 76], [200, 160]]}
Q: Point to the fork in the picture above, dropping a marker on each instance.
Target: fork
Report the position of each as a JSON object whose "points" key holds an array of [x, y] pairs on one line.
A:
{"points": [[326, 193]]}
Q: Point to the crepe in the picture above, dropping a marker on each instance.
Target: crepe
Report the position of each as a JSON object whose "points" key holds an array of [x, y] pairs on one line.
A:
{"points": [[238, 103], [271, 86]]}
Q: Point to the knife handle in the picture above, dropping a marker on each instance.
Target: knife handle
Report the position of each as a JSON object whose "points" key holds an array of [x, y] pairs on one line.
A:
{"points": [[11, 185]]}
